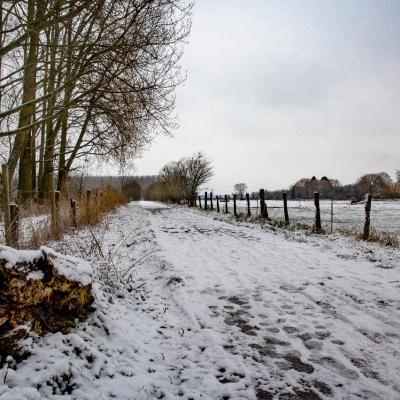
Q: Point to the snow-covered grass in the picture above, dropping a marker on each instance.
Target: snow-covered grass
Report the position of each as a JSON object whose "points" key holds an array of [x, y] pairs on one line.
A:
{"points": [[191, 306], [385, 215]]}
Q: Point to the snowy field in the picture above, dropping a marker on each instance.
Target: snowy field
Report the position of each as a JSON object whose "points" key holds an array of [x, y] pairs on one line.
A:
{"points": [[192, 307], [385, 215]]}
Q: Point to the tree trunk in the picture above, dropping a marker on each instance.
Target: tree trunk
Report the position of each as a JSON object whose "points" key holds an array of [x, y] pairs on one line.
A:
{"points": [[51, 132], [22, 148], [64, 124]]}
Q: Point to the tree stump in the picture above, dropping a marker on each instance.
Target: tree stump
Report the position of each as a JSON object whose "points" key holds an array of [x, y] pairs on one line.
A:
{"points": [[40, 291]]}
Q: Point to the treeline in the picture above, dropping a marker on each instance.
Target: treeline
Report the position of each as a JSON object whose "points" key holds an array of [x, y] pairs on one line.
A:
{"points": [[133, 187], [379, 185], [82, 79]]}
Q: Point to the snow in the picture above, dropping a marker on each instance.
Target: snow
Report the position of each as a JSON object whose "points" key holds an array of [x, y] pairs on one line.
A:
{"points": [[192, 306], [13, 256], [71, 267], [152, 205], [385, 214], [35, 275]]}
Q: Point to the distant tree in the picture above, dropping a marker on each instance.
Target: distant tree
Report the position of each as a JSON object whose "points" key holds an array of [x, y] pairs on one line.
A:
{"points": [[240, 189], [155, 191], [181, 179], [132, 190], [302, 188], [305, 187], [254, 195], [197, 171], [373, 183], [398, 176], [173, 181]]}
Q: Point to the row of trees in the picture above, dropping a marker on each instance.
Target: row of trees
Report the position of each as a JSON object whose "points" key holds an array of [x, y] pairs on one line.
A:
{"points": [[380, 185], [180, 180], [82, 79]]}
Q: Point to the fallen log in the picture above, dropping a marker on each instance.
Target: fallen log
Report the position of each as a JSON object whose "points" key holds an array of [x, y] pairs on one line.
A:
{"points": [[40, 292]]}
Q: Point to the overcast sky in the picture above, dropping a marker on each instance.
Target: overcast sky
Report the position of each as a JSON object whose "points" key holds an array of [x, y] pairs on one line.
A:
{"points": [[279, 90]]}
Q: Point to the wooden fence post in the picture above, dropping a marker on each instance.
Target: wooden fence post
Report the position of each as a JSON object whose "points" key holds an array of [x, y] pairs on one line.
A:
{"points": [[217, 204], [262, 198], [88, 193], [211, 201], [367, 222], [58, 200], [263, 205], [199, 202], [73, 214], [226, 204], [248, 204], [285, 208], [317, 213], [6, 204], [266, 216], [14, 226], [234, 205], [205, 200], [53, 207]]}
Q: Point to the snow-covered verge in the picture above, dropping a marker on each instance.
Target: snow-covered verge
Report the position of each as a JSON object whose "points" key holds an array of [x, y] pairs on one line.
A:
{"points": [[190, 306], [343, 245]]}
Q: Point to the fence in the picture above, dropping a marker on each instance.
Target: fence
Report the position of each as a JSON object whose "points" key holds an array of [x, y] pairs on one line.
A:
{"points": [[383, 216], [34, 223]]}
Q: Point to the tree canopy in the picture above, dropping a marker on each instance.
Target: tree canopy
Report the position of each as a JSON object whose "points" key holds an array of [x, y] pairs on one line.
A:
{"points": [[83, 79]]}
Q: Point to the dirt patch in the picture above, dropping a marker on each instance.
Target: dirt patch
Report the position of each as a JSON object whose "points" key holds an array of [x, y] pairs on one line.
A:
{"points": [[236, 318], [305, 394], [264, 395], [237, 300], [290, 329], [275, 341], [266, 351], [297, 364], [322, 388], [174, 280]]}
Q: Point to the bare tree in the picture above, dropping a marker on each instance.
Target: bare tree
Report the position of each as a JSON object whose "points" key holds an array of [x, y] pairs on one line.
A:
{"points": [[197, 171], [181, 180], [373, 184], [240, 189], [86, 78]]}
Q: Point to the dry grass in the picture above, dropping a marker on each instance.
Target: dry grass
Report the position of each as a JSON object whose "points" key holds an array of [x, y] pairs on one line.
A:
{"points": [[35, 219], [32, 208], [382, 238]]}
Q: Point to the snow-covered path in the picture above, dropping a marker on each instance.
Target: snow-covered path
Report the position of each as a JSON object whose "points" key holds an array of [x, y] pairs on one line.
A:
{"points": [[216, 310]]}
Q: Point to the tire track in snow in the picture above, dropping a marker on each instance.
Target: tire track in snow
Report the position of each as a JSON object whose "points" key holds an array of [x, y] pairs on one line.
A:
{"points": [[216, 248]]}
